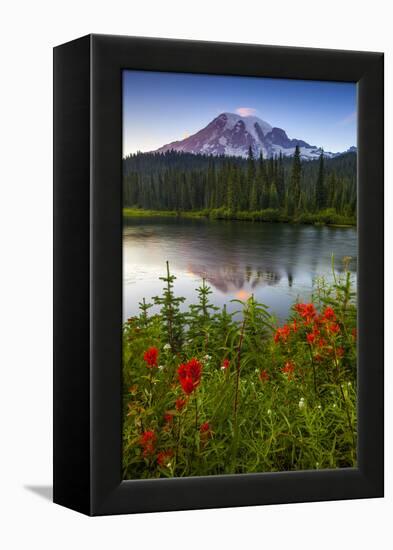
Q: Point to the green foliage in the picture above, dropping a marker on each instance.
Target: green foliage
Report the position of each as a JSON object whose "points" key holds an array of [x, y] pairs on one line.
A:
{"points": [[200, 317], [172, 318], [329, 216], [180, 182], [269, 398], [294, 187], [320, 191]]}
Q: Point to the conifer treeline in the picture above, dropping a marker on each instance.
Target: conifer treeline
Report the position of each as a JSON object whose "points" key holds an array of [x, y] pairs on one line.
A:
{"points": [[184, 182]]}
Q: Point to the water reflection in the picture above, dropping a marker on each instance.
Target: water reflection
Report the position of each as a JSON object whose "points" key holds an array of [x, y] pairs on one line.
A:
{"points": [[275, 262], [235, 278]]}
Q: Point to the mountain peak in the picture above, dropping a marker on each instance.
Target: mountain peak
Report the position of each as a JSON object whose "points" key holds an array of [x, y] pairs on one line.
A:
{"points": [[232, 134], [249, 121]]}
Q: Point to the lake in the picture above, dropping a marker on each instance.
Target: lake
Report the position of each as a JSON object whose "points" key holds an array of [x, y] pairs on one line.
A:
{"points": [[276, 262]]}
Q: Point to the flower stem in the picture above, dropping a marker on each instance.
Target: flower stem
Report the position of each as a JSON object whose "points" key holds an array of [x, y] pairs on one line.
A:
{"points": [[239, 349], [313, 371]]}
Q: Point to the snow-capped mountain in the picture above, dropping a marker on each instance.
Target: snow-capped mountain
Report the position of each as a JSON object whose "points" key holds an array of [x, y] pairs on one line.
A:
{"points": [[232, 134]]}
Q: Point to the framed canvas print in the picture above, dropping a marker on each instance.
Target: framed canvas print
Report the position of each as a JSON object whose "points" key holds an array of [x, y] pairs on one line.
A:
{"points": [[218, 275]]}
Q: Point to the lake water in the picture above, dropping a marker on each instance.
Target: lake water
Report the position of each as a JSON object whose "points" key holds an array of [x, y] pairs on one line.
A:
{"points": [[276, 262]]}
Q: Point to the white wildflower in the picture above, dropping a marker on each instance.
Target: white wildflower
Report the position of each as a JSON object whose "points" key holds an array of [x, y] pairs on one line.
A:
{"points": [[207, 357], [269, 412], [301, 403], [160, 367], [167, 346]]}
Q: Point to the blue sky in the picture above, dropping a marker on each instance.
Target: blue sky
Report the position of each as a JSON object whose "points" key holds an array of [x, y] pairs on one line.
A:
{"points": [[162, 107]]}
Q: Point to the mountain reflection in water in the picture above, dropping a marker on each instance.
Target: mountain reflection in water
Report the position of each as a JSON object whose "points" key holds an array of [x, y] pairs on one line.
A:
{"points": [[275, 262]]}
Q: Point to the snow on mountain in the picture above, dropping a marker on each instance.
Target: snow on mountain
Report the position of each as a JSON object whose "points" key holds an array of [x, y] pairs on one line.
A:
{"points": [[232, 135], [251, 124]]}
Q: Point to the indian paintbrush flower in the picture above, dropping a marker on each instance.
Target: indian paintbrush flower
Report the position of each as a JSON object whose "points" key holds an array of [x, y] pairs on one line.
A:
{"points": [[306, 311], [204, 428], [263, 376], [329, 314], [163, 457], [151, 357], [190, 375], [333, 327], [180, 403], [147, 441], [225, 364], [288, 368], [310, 337], [282, 334]]}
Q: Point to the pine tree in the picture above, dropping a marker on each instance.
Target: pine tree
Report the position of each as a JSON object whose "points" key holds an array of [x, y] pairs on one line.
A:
{"points": [[261, 164], [273, 197], [295, 180], [170, 311], [331, 186], [254, 196], [320, 193], [280, 184], [230, 202], [200, 316], [183, 181]]}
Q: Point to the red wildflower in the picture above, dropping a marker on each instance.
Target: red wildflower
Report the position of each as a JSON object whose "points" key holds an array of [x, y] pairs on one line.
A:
{"points": [[282, 334], [180, 404], [299, 308], [151, 357], [164, 456], [205, 427], [148, 436], [190, 375], [318, 357], [289, 368], [329, 314], [194, 369], [225, 364], [147, 441], [307, 311], [187, 385], [333, 327], [182, 371], [294, 326], [340, 352], [168, 417], [322, 342], [264, 376], [310, 337]]}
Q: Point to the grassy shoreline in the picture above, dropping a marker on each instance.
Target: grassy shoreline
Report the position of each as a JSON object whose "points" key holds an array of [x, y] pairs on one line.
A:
{"points": [[326, 217]]}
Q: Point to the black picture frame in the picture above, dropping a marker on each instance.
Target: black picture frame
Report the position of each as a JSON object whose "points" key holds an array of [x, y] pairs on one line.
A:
{"points": [[88, 274]]}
